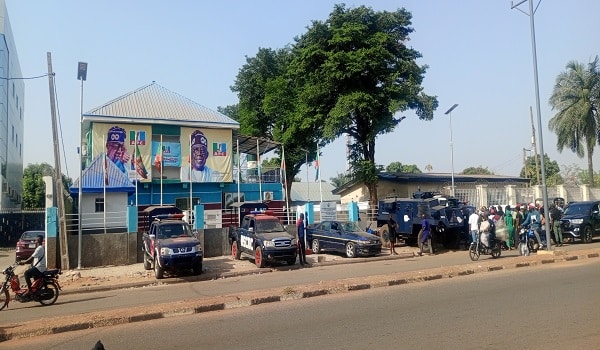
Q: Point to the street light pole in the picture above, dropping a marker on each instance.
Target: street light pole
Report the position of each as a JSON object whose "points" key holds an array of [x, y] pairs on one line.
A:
{"points": [[81, 75], [449, 112], [539, 113]]}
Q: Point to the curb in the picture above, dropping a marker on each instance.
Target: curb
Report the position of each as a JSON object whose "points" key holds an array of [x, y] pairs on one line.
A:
{"points": [[251, 298], [209, 276]]}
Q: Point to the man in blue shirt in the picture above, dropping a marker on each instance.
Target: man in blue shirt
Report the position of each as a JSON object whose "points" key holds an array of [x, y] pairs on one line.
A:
{"points": [[534, 221]]}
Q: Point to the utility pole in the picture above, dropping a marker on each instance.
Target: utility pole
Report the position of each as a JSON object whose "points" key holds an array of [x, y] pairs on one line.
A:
{"points": [[62, 228], [537, 167]]}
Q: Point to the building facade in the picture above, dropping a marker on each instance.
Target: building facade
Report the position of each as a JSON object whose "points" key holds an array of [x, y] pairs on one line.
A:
{"points": [[12, 98]]}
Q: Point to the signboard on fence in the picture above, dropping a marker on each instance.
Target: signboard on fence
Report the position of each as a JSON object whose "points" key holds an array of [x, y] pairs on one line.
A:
{"points": [[328, 211]]}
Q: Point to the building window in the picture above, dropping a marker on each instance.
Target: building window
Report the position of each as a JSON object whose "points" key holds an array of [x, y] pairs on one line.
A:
{"points": [[99, 205]]}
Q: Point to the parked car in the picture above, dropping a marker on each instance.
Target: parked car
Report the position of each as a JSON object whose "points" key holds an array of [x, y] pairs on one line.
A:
{"points": [[342, 236], [581, 220], [26, 244]]}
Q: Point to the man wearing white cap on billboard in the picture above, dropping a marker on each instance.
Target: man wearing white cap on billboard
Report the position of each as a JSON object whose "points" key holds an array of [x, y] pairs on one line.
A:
{"points": [[198, 157]]}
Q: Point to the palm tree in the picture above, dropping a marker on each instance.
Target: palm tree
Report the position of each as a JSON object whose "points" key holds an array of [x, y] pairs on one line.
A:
{"points": [[575, 97]]}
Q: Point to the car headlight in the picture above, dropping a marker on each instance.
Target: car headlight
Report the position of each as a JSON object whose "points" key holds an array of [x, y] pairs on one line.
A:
{"points": [[269, 244], [294, 242], [165, 251], [198, 247], [577, 221], [361, 242]]}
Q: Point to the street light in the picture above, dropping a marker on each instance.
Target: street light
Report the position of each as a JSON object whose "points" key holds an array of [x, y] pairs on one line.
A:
{"points": [[449, 112], [81, 75], [539, 113]]}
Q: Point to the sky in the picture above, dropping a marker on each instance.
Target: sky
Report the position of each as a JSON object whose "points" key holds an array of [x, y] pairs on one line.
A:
{"points": [[479, 55]]}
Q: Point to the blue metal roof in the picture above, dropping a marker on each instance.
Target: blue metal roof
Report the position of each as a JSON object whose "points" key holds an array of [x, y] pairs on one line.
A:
{"points": [[94, 178]]}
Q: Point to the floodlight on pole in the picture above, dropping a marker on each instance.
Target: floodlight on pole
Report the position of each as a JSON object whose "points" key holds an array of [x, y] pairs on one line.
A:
{"points": [[449, 112], [81, 75]]}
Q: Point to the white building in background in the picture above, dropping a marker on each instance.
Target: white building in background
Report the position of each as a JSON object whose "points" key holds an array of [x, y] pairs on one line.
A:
{"points": [[12, 98]]}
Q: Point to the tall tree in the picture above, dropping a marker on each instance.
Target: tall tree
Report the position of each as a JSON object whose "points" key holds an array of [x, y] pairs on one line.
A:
{"points": [[340, 179], [34, 189], [552, 171], [576, 98], [480, 170], [397, 167], [268, 108], [354, 73]]}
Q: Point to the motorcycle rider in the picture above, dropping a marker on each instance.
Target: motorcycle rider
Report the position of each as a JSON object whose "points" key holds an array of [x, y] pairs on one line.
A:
{"points": [[534, 220], [38, 258]]}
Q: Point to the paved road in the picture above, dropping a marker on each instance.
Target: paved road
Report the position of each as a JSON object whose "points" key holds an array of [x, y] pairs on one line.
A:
{"points": [[139, 298], [481, 311]]}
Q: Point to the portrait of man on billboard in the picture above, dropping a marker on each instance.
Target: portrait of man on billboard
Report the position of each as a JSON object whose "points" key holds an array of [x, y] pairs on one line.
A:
{"points": [[115, 147], [200, 172]]}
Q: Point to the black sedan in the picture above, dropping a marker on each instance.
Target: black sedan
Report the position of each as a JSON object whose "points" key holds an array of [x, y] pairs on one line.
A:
{"points": [[342, 236]]}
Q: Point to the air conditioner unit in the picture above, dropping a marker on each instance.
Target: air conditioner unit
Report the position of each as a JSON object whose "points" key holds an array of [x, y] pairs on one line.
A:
{"points": [[268, 196]]}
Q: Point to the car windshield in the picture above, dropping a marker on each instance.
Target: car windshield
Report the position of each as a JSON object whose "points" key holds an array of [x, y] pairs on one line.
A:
{"points": [[269, 226], [174, 231], [32, 234], [578, 208], [351, 227]]}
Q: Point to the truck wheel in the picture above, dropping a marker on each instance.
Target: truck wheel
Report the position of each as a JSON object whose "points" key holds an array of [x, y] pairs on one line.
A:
{"points": [[292, 261], [586, 236], [316, 248], [258, 258], [235, 251], [384, 235], [350, 253], [147, 263], [158, 270]]}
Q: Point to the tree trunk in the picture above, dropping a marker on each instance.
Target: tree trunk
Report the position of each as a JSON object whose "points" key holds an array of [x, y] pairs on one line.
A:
{"points": [[590, 166]]}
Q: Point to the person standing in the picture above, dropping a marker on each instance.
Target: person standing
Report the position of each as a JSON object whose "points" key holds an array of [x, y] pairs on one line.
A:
{"points": [[392, 232], [556, 215], [510, 227], [38, 263], [301, 244], [424, 235], [474, 226]]}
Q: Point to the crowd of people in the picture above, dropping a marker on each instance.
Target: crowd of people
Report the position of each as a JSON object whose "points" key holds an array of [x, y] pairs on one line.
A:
{"points": [[505, 223]]}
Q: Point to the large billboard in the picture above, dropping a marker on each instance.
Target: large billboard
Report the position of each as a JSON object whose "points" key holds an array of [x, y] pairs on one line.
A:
{"points": [[128, 146], [133, 148], [210, 154]]}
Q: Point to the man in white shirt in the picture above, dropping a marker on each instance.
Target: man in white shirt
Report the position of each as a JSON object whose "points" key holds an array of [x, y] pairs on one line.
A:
{"points": [[38, 260], [474, 226]]}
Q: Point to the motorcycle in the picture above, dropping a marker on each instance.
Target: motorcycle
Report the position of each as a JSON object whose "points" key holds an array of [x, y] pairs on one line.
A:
{"points": [[477, 248], [44, 290], [528, 242]]}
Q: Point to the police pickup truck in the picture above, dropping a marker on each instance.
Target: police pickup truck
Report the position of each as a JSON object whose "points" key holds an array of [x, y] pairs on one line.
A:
{"points": [[170, 245], [263, 237]]}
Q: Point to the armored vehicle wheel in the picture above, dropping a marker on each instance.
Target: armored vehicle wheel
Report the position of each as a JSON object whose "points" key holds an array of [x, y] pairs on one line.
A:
{"points": [[316, 248], [258, 258], [384, 235]]}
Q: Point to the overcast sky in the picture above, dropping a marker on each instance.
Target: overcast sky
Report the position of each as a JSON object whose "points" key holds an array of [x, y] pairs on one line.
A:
{"points": [[479, 55]]}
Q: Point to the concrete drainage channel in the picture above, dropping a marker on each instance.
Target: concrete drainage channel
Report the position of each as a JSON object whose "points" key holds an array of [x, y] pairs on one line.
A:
{"points": [[246, 299]]}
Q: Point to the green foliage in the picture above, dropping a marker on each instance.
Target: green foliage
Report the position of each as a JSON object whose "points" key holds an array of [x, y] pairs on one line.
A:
{"points": [[340, 179], [576, 98], [397, 167], [552, 173], [34, 189], [477, 171], [354, 74]]}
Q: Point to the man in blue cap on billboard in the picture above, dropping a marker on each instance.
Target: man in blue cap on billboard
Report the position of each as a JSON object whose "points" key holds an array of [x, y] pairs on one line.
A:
{"points": [[115, 147], [199, 154]]}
